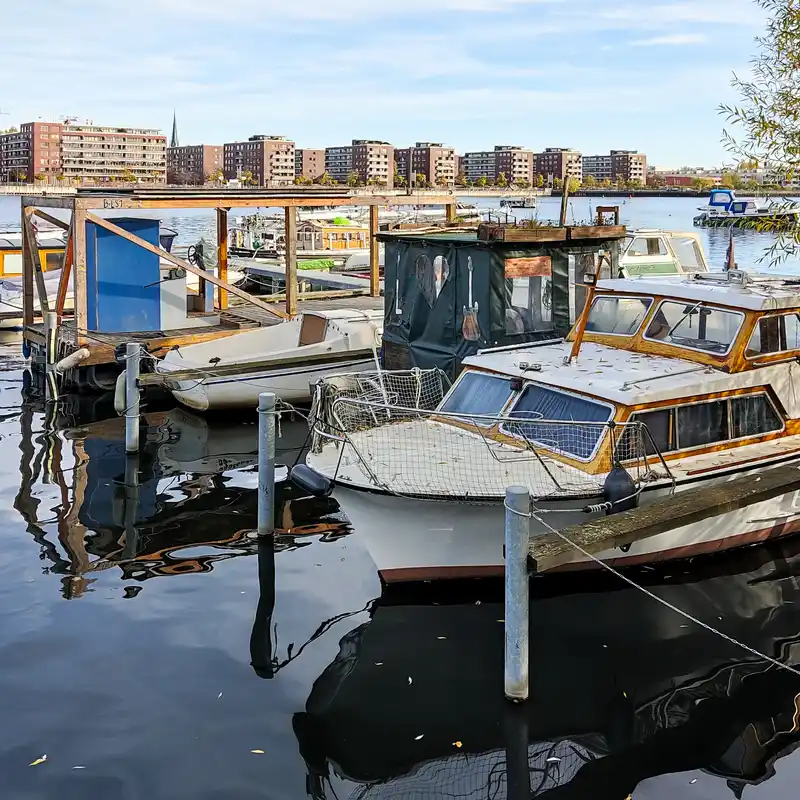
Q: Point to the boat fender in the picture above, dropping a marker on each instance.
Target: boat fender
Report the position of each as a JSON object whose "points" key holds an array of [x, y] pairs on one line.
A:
{"points": [[26, 349], [620, 491], [72, 360], [312, 482], [119, 393]]}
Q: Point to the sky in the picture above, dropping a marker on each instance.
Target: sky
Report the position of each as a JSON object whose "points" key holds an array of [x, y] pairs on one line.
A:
{"points": [[588, 74]]}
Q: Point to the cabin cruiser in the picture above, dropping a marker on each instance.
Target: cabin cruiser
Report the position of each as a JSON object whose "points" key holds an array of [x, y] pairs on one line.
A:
{"points": [[678, 382], [653, 251], [724, 209], [286, 358]]}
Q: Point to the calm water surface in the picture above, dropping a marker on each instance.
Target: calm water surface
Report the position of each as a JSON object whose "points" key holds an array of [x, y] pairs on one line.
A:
{"points": [[149, 644]]}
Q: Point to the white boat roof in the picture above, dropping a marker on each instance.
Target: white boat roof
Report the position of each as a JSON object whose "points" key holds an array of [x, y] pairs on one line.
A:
{"points": [[620, 376], [354, 314], [759, 292]]}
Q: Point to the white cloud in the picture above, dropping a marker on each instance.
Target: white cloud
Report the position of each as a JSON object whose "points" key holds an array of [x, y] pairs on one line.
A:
{"points": [[672, 39]]}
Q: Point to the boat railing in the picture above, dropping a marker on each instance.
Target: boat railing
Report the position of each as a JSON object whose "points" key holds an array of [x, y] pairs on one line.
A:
{"points": [[405, 445]]}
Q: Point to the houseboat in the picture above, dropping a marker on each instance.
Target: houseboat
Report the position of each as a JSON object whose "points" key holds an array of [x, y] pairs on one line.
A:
{"points": [[725, 209], [663, 384]]}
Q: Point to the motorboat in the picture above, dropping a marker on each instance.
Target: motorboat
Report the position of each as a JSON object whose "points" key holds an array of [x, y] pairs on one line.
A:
{"points": [[529, 201], [654, 251], [286, 358], [725, 209], [676, 382]]}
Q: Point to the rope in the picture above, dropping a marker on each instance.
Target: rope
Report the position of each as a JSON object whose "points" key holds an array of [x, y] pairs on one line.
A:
{"points": [[685, 614]]}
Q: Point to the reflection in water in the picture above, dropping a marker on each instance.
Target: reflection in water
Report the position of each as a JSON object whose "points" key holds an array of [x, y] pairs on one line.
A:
{"points": [[622, 690], [186, 502]]}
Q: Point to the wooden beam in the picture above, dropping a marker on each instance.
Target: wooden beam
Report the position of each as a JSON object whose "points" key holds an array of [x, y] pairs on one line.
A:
{"points": [[324, 294], [222, 252], [290, 233], [30, 241], [109, 226], [51, 219], [66, 272], [564, 201], [49, 201], [27, 272], [79, 273], [450, 212], [374, 253]]}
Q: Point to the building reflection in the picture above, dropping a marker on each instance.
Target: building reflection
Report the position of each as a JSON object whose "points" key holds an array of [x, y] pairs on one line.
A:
{"points": [[185, 503], [623, 689]]}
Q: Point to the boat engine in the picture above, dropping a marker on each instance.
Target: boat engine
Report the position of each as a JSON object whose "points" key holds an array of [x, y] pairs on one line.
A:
{"points": [[620, 491]]}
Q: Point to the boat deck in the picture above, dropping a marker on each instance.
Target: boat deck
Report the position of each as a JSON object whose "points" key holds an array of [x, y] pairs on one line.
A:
{"points": [[233, 320]]}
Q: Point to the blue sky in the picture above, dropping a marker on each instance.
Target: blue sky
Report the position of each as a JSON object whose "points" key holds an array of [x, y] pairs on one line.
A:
{"points": [[589, 74]]}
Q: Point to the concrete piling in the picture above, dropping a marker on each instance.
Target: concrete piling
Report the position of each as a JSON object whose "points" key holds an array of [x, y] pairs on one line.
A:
{"points": [[517, 600], [133, 353], [266, 464]]}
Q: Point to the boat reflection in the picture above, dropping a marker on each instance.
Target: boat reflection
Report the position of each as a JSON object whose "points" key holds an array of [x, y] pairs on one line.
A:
{"points": [[623, 689], [185, 503]]}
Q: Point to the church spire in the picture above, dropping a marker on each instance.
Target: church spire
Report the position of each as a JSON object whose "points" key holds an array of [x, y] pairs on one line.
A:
{"points": [[173, 142]]}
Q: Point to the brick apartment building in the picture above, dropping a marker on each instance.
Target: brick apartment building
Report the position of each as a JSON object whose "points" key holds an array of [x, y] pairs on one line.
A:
{"points": [[516, 163], [83, 153], [628, 165], [309, 163], [373, 160], [597, 167], [435, 161], [478, 164], [193, 164], [558, 163], [270, 160]]}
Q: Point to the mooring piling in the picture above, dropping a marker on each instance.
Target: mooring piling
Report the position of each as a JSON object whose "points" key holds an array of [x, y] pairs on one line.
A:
{"points": [[133, 354], [50, 334], [131, 509], [517, 601], [266, 464]]}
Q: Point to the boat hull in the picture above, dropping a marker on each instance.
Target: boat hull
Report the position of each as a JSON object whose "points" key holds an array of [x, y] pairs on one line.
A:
{"points": [[421, 540]]}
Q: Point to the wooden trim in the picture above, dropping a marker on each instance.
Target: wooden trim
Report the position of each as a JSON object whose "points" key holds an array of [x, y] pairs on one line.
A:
{"points": [[29, 241], [51, 219], [730, 464], [79, 218], [109, 226], [222, 253], [66, 272], [290, 234], [27, 271], [374, 252]]}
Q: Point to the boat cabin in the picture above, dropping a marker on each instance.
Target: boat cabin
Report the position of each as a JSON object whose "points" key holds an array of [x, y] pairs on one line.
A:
{"points": [[651, 251], [51, 253], [337, 234]]}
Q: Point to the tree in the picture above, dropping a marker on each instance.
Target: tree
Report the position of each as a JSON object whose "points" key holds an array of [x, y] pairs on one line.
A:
{"points": [[302, 180], [420, 180], [538, 181], [353, 178], [558, 183], [461, 179], [702, 184], [522, 183], [326, 180], [39, 176], [606, 183], [635, 183], [215, 176], [246, 178], [502, 180], [590, 181], [399, 180], [574, 184], [483, 181], [767, 114], [656, 181]]}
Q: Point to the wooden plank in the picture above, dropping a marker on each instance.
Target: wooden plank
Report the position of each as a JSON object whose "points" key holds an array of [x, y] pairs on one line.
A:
{"points": [[290, 233], [564, 201], [323, 294], [109, 226], [374, 253], [79, 273], [51, 219], [222, 252], [30, 242], [596, 232], [450, 213], [665, 514], [48, 201], [66, 271], [27, 272]]}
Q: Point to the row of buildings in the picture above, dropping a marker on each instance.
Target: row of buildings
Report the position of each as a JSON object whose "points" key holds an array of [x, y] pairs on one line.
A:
{"points": [[89, 153]]}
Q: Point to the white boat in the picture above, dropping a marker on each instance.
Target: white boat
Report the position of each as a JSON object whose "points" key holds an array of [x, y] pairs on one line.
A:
{"points": [[725, 209], [286, 358], [681, 382], [653, 251]]}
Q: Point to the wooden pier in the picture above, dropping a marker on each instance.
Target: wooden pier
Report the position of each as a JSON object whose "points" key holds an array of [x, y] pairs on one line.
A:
{"points": [[74, 331]]}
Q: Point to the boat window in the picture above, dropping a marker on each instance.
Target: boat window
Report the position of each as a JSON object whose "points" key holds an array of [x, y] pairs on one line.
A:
{"points": [[530, 305], [775, 334], [701, 424], [620, 316], [647, 246], [688, 251], [478, 393], [549, 407], [695, 326]]}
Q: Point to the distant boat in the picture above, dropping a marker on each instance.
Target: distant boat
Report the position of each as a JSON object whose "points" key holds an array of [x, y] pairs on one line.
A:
{"points": [[725, 209], [519, 202]]}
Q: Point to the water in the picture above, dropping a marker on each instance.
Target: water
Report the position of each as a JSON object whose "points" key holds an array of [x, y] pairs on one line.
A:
{"points": [[149, 656]]}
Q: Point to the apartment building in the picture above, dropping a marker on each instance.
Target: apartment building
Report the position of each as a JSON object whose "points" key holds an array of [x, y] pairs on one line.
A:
{"points": [[597, 167], [558, 163], [372, 159], [433, 160], [629, 166], [269, 159], [515, 162], [33, 150], [309, 163], [478, 164], [193, 164]]}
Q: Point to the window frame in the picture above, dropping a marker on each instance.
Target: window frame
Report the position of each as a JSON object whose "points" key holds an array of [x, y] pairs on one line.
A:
{"points": [[699, 304], [641, 327], [728, 400], [441, 410], [778, 353], [558, 390]]}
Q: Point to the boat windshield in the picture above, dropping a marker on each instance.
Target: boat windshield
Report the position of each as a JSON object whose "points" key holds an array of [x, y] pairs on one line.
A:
{"points": [[695, 326], [564, 422], [619, 316], [478, 393], [688, 252]]}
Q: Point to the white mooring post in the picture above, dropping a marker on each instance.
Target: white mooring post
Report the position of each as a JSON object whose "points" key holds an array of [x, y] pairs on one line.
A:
{"points": [[518, 500], [266, 464], [133, 354], [50, 334]]}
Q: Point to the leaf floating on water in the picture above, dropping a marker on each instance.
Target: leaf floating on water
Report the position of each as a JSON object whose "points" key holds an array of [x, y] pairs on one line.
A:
{"points": [[379, 663], [694, 780], [441, 637], [410, 681], [79, 767], [458, 744], [219, 695], [553, 760], [417, 738], [258, 752], [38, 761]]}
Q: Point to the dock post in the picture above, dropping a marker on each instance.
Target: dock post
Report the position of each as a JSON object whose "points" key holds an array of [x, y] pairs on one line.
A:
{"points": [[131, 505], [516, 735], [374, 253], [266, 464], [133, 354], [50, 334], [517, 508]]}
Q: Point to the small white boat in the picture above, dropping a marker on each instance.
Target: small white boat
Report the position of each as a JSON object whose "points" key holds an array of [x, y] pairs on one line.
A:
{"points": [[725, 209], [286, 358]]}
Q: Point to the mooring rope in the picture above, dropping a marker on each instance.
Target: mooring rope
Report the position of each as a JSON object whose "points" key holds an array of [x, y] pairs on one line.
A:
{"points": [[685, 614]]}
